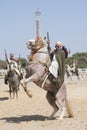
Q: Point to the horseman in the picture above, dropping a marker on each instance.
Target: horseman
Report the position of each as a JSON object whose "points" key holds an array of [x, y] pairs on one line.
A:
{"points": [[16, 65], [38, 72], [58, 56], [74, 69]]}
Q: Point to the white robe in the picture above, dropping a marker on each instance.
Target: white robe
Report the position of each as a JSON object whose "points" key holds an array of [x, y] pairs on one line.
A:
{"points": [[54, 67]]}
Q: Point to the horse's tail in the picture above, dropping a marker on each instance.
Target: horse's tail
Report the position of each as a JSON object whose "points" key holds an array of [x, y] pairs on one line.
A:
{"points": [[68, 108]]}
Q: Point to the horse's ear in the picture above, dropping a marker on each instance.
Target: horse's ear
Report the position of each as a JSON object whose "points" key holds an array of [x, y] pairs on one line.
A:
{"points": [[44, 38]]}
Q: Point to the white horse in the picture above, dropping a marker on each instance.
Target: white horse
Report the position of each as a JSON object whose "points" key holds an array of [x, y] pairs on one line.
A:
{"points": [[69, 72], [38, 72]]}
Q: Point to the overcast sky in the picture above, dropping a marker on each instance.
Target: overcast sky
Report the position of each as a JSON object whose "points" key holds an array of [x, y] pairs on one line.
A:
{"points": [[65, 20]]}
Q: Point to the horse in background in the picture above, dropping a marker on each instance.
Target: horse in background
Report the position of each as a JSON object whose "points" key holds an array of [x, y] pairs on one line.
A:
{"points": [[13, 81], [72, 71], [38, 72], [69, 72]]}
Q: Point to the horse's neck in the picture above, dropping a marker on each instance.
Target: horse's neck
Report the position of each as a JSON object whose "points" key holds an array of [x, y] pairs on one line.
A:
{"points": [[44, 50], [41, 55]]}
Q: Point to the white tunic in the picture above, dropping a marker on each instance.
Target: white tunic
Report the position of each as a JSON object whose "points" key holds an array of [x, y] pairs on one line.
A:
{"points": [[54, 67]]}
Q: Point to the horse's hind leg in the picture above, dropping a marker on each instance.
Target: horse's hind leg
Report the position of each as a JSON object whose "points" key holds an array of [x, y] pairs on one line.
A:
{"points": [[51, 99], [10, 92], [60, 98], [16, 92]]}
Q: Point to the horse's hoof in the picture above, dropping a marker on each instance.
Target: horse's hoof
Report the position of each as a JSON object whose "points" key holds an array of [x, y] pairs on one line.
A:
{"points": [[30, 95], [22, 83], [50, 118], [60, 118], [26, 81]]}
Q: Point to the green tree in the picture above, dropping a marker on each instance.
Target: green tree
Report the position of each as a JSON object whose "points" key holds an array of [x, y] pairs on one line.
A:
{"points": [[24, 62], [81, 59]]}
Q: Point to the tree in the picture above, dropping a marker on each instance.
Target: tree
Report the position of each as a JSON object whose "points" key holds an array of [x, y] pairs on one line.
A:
{"points": [[24, 62], [81, 59], [2, 64]]}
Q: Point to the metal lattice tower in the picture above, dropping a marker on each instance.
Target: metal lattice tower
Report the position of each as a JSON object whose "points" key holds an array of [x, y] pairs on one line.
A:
{"points": [[37, 22]]}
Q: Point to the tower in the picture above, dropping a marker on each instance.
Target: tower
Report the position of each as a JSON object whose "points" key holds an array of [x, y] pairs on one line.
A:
{"points": [[37, 22]]}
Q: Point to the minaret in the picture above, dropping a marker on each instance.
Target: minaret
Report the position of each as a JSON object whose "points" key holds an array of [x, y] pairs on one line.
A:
{"points": [[37, 22]]}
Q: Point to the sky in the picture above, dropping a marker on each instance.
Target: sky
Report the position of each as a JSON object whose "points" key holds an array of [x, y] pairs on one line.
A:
{"points": [[65, 20]]}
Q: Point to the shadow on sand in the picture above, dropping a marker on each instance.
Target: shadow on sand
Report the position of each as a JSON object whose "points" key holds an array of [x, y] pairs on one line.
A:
{"points": [[4, 98], [25, 118]]}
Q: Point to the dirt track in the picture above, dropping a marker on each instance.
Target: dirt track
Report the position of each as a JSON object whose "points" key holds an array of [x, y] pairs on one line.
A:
{"points": [[27, 113]]}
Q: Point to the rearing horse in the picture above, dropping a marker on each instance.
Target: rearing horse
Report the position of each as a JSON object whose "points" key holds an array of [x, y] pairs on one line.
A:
{"points": [[38, 72]]}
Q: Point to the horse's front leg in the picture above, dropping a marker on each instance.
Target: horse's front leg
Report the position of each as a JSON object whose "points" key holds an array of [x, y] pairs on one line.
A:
{"points": [[16, 91], [25, 89], [24, 83]]}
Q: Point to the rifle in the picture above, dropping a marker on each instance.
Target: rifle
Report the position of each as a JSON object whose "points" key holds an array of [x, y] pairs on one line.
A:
{"points": [[48, 43], [19, 63], [6, 57]]}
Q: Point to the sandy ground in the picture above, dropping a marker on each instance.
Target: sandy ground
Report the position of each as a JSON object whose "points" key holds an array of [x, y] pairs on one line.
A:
{"points": [[27, 113]]}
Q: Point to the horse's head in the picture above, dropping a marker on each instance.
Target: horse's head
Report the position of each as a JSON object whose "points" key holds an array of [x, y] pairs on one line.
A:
{"points": [[39, 50], [12, 66], [35, 44]]}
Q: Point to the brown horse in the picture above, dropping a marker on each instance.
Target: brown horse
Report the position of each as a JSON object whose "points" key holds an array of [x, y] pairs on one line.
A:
{"points": [[38, 72]]}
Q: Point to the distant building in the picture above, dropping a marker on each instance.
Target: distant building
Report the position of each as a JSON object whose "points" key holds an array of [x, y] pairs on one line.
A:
{"points": [[37, 22]]}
